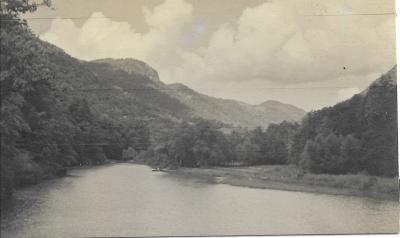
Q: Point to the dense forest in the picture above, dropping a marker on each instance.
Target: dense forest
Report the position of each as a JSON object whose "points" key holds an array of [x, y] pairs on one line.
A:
{"points": [[57, 111], [357, 135], [204, 143]]}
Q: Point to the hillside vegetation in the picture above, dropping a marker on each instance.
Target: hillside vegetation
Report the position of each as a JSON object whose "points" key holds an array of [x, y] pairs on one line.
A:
{"points": [[138, 82], [234, 112], [357, 135], [292, 178]]}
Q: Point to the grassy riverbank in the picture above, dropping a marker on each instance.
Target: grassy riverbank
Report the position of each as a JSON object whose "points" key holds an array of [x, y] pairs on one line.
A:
{"points": [[285, 177]]}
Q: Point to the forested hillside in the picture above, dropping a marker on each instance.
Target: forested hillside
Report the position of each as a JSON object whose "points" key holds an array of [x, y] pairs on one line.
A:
{"points": [[234, 112], [357, 135], [138, 81], [130, 94]]}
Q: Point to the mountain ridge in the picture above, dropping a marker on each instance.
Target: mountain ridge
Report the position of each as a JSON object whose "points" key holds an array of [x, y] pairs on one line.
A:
{"points": [[228, 111], [132, 65]]}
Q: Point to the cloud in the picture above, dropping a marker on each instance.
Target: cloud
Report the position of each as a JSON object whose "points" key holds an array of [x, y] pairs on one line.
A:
{"points": [[101, 37], [274, 42], [278, 43]]}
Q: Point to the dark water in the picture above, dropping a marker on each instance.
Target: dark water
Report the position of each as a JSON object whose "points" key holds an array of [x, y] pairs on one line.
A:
{"points": [[130, 200]]}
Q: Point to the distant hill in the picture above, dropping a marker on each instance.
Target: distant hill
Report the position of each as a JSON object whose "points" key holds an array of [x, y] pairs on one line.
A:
{"points": [[235, 112], [281, 110]]}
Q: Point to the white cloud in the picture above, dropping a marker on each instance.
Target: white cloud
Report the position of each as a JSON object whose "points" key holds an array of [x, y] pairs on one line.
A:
{"points": [[272, 41], [101, 37]]}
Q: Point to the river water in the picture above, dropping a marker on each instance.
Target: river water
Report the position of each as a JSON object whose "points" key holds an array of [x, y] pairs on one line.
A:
{"points": [[130, 200]]}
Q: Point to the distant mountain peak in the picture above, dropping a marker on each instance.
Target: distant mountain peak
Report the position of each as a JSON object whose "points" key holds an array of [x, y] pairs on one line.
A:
{"points": [[131, 65], [271, 103], [180, 87], [277, 104], [235, 112]]}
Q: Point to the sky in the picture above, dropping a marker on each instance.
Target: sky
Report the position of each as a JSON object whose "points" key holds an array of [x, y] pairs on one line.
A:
{"points": [[309, 53]]}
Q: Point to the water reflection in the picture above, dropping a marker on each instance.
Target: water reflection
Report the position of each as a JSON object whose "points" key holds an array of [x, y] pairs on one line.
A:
{"points": [[130, 200]]}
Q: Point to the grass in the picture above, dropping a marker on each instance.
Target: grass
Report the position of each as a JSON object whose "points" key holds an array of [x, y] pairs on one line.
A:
{"points": [[289, 177]]}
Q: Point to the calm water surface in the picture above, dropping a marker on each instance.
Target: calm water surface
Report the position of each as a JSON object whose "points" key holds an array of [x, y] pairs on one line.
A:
{"points": [[130, 200]]}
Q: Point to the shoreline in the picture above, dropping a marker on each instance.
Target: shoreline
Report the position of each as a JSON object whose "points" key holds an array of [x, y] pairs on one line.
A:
{"points": [[258, 177], [6, 199]]}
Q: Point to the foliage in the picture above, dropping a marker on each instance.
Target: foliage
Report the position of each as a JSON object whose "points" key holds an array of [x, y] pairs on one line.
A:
{"points": [[331, 154], [357, 135], [202, 143]]}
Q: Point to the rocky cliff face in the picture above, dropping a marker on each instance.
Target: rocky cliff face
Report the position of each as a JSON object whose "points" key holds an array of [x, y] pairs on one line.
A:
{"points": [[132, 66]]}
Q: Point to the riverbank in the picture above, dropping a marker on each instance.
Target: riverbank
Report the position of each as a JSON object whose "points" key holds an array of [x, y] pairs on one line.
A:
{"points": [[291, 178], [34, 173]]}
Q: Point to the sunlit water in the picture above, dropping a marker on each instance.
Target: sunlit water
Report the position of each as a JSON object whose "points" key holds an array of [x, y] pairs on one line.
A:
{"points": [[130, 200]]}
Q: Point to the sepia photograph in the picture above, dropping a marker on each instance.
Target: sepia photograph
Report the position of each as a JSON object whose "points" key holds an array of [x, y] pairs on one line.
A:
{"points": [[171, 118]]}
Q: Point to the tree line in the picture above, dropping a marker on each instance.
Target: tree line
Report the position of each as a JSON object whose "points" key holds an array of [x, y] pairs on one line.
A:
{"points": [[355, 136], [205, 143]]}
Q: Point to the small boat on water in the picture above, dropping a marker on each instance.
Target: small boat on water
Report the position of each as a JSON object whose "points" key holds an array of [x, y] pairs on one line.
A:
{"points": [[157, 170]]}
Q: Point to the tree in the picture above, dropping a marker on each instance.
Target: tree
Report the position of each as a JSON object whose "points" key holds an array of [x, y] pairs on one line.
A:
{"points": [[129, 154], [247, 152], [312, 157], [274, 152], [350, 151], [11, 9]]}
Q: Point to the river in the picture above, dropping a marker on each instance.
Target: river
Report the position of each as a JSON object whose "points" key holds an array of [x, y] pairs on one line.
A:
{"points": [[130, 200]]}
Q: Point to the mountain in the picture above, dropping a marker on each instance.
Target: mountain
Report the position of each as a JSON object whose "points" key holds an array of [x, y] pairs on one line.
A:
{"points": [[369, 118], [235, 112], [282, 110], [138, 82], [132, 92], [130, 65], [125, 89], [122, 89]]}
